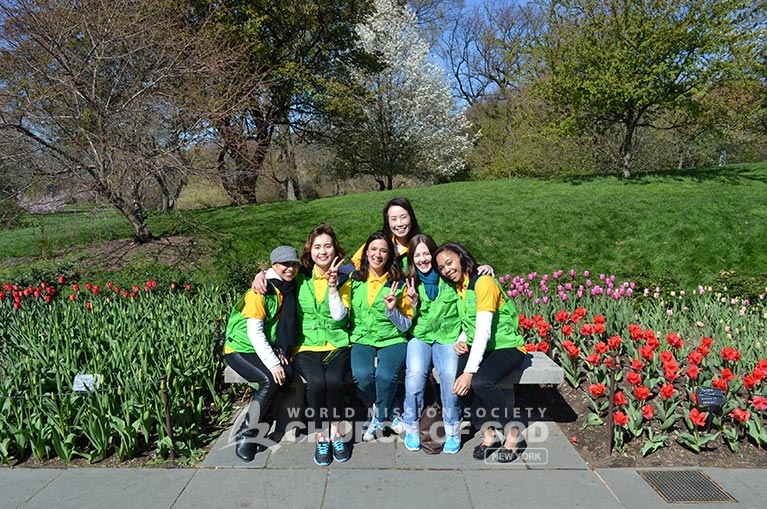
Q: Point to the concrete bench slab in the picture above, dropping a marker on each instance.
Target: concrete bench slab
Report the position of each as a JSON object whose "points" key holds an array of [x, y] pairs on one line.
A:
{"points": [[537, 368]]}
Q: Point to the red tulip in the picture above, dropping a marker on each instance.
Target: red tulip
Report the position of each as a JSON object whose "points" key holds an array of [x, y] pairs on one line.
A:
{"points": [[647, 412], [674, 340], [620, 399], [667, 391], [759, 402], [620, 418], [730, 354], [641, 392], [597, 390], [634, 378], [697, 417], [740, 415]]}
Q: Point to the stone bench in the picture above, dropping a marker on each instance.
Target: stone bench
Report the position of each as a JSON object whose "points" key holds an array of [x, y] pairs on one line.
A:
{"points": [[537, 368]]}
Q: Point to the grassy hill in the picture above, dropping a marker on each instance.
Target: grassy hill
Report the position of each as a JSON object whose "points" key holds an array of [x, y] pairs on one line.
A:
{"points": [[682, 229]]}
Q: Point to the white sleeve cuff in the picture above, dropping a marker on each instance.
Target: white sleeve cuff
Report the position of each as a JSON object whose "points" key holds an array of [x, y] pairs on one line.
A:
{"points": [[337, 308], [479, 345], [260, 343]]}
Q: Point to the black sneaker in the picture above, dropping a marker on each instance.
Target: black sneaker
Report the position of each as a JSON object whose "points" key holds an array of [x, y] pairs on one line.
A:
{"points": [[340, 450], [322, 455]]}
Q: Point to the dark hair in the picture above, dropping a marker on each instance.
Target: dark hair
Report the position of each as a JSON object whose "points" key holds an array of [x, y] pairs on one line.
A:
{"points": [[392, 263], [405, 204], [323, 229], [420, 238], [468, 263]]}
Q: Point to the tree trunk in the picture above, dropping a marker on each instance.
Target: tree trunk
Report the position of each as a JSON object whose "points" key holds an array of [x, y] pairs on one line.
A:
{"points": [[141, 232], [289, 189], [381, 184], [627, 149], [240, 183], [389, 182]]}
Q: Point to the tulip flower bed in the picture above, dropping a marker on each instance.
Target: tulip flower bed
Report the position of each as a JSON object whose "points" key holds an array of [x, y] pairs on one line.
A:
{"points": [[138, 344], [660, 348]]}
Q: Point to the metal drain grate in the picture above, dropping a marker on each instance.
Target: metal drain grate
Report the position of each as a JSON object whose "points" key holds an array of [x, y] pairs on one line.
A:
{"points": [[685, 486]]}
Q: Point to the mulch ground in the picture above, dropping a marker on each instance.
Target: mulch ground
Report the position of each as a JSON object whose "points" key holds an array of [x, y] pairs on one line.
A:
{"points": [[568, 407]]}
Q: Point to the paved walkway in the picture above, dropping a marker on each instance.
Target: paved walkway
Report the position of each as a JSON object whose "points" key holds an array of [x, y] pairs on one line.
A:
{"points": [[379, 474]]}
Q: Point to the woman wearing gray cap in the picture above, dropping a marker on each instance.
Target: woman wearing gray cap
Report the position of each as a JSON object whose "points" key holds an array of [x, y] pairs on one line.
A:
{"points": [[259, 338]]}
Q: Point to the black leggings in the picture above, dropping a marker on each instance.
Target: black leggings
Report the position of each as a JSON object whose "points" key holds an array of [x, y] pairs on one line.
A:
{"points": [[485, 401], [324, 383], [250, 367]]}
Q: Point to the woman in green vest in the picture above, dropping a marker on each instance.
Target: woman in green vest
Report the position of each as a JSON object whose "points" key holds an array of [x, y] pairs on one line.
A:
{"points": [[259, 337], [399, 224], [322, 354], [435, 330], [490, 347], [380, 316]]}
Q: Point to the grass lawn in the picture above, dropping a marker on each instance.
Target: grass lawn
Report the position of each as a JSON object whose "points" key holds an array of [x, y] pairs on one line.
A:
{"points": [[703, 226]]}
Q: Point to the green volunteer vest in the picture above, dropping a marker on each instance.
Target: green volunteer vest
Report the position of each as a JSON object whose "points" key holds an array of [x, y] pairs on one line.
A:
{"points": [[504, 332], [317, 326], [370, 325], [237, 328], [438, 319]]}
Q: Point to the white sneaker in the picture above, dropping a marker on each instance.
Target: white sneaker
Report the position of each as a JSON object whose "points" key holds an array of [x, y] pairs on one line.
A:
{"points": [[375, 426], [397, 426]]}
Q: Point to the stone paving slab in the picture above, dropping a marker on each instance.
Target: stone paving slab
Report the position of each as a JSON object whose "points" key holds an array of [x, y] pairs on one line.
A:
{"points": [[745, 486], [24, 484], [254, 488], [528, 488], [374, 489], [115, 488]]}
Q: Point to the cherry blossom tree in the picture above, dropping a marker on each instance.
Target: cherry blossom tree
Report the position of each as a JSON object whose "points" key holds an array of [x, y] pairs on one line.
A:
{"points": [[407, 123]]}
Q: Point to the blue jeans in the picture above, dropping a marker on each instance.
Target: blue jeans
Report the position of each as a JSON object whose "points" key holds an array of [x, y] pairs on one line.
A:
{"points": [[420, 356], [377, 381]]}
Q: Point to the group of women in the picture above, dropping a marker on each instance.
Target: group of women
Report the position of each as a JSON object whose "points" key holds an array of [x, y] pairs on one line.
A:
{"points": [[402, 302]]}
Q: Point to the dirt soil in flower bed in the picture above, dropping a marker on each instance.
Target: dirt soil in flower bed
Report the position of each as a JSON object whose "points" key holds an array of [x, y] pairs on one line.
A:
{"points": [[568, 407]]}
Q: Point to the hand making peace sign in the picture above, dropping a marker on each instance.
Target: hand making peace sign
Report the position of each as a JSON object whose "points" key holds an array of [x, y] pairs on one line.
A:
{"points": [[332, 273], [390, 299], [412, 292]]}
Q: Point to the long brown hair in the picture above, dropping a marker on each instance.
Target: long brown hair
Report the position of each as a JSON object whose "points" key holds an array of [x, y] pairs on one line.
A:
{"points": [[392, 262], [420, 238], [405, 204], [468, 262], [323, 229]]}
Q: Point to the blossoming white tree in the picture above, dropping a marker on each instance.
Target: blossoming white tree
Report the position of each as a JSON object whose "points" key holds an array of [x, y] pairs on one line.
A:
{"points": [[408, 124]]}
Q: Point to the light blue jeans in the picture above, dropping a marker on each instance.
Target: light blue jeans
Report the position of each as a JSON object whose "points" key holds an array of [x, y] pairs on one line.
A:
{"points": [[420, 356]]}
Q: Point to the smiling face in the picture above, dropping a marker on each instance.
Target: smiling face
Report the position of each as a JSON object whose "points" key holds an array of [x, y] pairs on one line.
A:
{"points": [[377, 256], [287, 271], [322, 251], [449, 265], [399, 222], [422, 258]]}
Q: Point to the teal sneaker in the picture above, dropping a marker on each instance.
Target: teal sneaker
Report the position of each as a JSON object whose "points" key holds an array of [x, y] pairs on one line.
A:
{"points": [[452, 444], [412, 442], [322, 455]]}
